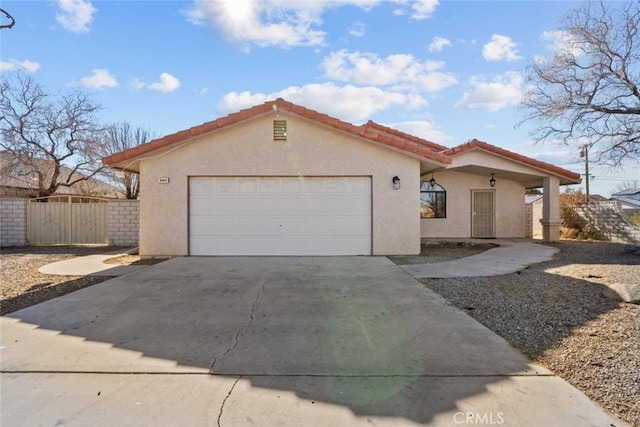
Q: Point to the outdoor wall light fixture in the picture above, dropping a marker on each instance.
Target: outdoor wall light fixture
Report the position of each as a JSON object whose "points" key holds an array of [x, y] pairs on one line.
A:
{"points": [[432, 181], [396, 183], [492, 181]]}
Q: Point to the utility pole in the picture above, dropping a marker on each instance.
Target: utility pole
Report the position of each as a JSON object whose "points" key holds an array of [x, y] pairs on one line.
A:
{"points": [[584, 153]]}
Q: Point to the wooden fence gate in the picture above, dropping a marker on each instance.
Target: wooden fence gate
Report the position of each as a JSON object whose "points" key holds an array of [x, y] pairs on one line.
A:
{"points": [[67, 220]]}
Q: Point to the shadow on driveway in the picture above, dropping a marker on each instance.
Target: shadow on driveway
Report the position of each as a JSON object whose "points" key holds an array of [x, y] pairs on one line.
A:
{"points": [[356, 332]]}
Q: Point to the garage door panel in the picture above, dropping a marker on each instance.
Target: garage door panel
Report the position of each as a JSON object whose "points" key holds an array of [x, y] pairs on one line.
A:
{"points": [[336, 185], [292, 186], [292, 226], [222, 226], [336, 226], [336, 205], [280, 216], [358, 228], [247, 205], [270, 186], [359, 205], [202, 205], [247, 185], [313, 186], [200, 244], [198, 226], [271, 206], [358, 186], [201, 186], [268, 226]]}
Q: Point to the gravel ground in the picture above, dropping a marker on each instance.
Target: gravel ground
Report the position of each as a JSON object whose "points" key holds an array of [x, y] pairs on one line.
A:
{"points": [[558, 315], [22, 284], [554, 312]]}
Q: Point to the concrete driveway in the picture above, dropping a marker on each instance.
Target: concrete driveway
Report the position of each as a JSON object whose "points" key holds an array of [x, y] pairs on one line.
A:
{"points": [[270, 341]]}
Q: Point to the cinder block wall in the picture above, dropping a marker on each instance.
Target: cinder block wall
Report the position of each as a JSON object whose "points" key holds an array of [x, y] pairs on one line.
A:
{"points": [[123, 222], [608, 218], [13, 222], [528, 215]]}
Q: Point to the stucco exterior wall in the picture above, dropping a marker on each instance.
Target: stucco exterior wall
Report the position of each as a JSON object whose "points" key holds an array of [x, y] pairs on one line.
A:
{"points": [[249, 150], [536, 218], [509, 207]]}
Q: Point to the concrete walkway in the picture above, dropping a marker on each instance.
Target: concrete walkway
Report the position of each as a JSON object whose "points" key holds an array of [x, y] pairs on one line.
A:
{"points": [[92, 265], [510, 256], [321, 341]]}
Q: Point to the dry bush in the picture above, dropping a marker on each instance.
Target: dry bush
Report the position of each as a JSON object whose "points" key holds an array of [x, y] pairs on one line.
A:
{"points": [[572, 223]]}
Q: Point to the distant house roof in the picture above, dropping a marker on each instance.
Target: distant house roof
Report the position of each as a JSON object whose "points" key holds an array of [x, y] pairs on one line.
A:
{"points": [[371, 131], [597, 198], [629, 198], [18, 179], [633, 193], [531, 198]]}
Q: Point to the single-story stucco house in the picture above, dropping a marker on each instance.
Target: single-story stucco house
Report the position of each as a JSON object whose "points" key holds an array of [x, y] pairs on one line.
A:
{"points": [[281, 179]]}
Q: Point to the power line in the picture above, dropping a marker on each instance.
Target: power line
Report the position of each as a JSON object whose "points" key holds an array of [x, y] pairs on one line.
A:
{"points": [[611, 178]]}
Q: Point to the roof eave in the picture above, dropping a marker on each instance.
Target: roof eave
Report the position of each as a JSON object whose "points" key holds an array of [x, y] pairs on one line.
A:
{"points": [[566, 177]]}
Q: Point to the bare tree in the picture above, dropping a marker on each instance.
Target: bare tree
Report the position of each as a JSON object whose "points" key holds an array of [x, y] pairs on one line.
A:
{"points": [[121, 136], [588, 94], [42, 133], [628, 185]]}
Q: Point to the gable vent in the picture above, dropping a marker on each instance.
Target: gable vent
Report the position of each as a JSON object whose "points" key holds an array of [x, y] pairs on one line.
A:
{"points": [[279, 130]]}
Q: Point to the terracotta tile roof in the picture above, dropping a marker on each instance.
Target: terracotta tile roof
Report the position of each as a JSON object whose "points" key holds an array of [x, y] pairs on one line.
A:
{"points": [[374, 133], [370, 131], [474, 144], [386, 129]]}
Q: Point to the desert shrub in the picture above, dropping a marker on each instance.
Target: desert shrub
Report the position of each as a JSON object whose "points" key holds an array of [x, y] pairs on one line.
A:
{"points": [[589, 232], [568, 200]]}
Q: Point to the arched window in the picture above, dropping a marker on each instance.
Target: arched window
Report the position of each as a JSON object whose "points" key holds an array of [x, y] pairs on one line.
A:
{"points": [[433, 200]]}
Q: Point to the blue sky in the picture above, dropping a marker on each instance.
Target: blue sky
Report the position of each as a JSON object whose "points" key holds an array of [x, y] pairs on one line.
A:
{"points": [[448, 71]]}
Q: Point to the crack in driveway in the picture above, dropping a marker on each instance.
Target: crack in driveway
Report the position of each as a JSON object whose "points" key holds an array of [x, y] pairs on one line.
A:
{"points": [[236, 337], [225, 400]]}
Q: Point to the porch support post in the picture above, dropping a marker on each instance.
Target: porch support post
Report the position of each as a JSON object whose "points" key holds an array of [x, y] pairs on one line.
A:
{"points": [[551, 209]]}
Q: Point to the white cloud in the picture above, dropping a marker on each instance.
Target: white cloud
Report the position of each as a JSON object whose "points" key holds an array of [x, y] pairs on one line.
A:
{"points": [[423, 129], [423, 9], [167, 83], [505, 90], [358, 29], [99, 79], [438, 44], [539, 59], [500, 48], [13, 65], [560, 155], [397, 71], [284, 23], [420, 9], [280, 23], [75, 15], [561, 42], [349, 103]]}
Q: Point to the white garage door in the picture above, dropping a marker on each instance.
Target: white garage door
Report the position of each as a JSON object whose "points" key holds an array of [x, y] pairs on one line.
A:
{"points": [[280, 216]]}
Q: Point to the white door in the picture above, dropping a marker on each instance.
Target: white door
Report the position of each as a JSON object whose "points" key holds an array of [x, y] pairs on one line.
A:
{"points": [[483, 214], [280, 216]]}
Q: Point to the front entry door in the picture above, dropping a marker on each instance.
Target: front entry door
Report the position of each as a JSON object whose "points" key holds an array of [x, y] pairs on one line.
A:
{"points": [[483, 214]]}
